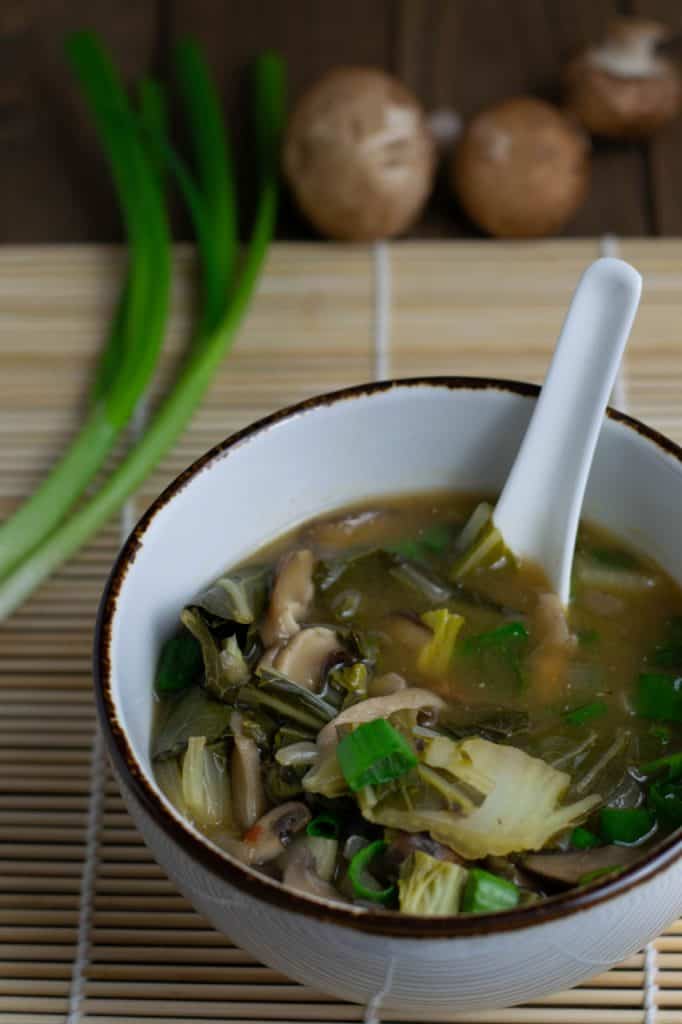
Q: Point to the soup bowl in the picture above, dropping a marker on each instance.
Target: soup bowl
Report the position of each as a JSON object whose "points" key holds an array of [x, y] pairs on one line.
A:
{"points": [[366, 442]]}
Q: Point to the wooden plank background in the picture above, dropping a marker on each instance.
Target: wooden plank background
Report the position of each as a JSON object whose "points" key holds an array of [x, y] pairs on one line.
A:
{"points": [[460, 54]]}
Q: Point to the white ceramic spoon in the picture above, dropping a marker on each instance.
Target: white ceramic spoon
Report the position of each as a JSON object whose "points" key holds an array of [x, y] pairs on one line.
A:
{"points": [[538, 510]]}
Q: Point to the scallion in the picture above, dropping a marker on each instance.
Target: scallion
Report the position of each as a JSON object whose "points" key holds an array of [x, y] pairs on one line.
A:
{"points": [[583, 839], [585, 713], [625, 825], [659, 696], [364, 884], [485, 893], [324, 826], [207, 352], [374, 753]]}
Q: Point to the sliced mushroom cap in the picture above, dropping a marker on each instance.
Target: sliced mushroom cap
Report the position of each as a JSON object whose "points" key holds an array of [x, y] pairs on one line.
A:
{"points": [[248, 796], [300, 874], [407, 630], [271, 835], [291, 597], [353, 529], [573, 865], [404, 844], [383, 686], [304, 658], [413, 698]]}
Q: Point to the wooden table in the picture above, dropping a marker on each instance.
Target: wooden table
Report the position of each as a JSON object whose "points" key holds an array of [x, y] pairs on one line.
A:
{"points": [[91, 930], [458, 54]]}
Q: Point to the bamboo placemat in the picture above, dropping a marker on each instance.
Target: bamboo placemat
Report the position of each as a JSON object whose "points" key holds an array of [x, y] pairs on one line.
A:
{"points": [[90, 928]]}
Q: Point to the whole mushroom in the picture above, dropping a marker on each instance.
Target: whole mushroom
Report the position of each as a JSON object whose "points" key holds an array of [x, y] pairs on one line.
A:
{"points": [[359, 155], [521, 169], [624, 88]]}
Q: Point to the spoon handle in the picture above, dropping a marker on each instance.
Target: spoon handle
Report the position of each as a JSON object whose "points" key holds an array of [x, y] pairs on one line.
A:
{"points": [[538, 510]]}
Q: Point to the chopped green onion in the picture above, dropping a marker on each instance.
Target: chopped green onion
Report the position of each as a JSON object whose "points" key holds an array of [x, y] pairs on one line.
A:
{"points": [[324, 826], [503, 639], [668, 654], [665, 800], [431, 541], [194, 379], [435, 656], [487, 549], [373, 753], [586, 712], [616, 558], [131, 353], [626, 825], [485, 893], [364, 885], [180, 664], [583, 839], [671, 765], [592, 876], [659, 696]]}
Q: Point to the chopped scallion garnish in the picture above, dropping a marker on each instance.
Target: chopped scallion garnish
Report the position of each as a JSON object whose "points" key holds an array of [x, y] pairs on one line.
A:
{"points": [[364, 884], [625, 825], [373, 753], [485, 893]]}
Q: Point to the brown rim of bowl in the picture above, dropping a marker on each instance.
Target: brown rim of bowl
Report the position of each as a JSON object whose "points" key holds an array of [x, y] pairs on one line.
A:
{"points": [[392, 923]]}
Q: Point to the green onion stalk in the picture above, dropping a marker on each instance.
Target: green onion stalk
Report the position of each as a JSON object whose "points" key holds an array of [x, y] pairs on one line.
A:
{"points": [[213, 340], [139, 325]]}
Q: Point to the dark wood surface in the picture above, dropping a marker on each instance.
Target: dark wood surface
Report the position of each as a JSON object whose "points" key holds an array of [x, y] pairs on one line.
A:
{"points": [[459, 54]]}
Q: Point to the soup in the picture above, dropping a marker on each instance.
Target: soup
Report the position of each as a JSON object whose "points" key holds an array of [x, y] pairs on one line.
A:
{"points": [[385, 709]]}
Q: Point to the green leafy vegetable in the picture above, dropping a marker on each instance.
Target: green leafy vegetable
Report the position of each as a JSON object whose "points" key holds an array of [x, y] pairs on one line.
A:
{"points": [[365, 886], [179, 665], [137, 332], [506, 639], [583, 839], [659, 696], [373, 753], [207, 352], [498, 652], [671, 765], [430, 886], [435, 656], [586, 712], [191, 713], [238, 597], [625, 825], [206, 784], [485, 893], [216, 679], [289, 700], [668, 653], [665, 801], [433, 540]]}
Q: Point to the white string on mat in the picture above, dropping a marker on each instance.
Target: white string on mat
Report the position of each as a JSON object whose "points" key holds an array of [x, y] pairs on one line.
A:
{"points": [[382, 310], [610, 246], [87, 887], [373, 1008], [650, 984], [96, 796]]}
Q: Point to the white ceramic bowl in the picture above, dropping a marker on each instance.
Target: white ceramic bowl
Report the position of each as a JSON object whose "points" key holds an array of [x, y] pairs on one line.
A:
{"points": [[383, 439]]}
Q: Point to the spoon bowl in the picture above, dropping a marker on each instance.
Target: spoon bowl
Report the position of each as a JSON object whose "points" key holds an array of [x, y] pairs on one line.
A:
{"points": [[539, 508]]}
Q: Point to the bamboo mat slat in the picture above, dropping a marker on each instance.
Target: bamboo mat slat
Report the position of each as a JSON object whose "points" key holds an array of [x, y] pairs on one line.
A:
{"points": [[69, 889]]}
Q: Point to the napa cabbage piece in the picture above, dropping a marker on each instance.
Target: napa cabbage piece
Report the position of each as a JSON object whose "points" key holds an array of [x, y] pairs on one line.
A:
{"points": [[521, 809], [233, 663], [192, 713], [436, 655], [430, 886], [206, 784], [238, 597], [479, 545]]}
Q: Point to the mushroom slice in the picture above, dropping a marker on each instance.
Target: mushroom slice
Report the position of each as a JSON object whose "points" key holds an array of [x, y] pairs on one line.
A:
{"points": [[300, 874], [413, 698], [248, 796], [304, 658], [407, 630], [291, 597], [384, 686], [272, 833], [573, 865]]}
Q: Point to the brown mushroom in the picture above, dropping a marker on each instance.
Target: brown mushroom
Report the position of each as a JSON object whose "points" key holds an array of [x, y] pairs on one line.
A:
{"points": [[624, 88], [300, 874], [248, 795], [358, 155], [304, 658], [412, 698], [272, 833], [572, 866], [383, 686], [521, 169], [291, 597]]}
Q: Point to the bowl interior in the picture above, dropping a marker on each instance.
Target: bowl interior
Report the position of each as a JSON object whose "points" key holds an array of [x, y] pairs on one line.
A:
{"points": [[365, 443]]}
